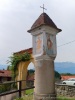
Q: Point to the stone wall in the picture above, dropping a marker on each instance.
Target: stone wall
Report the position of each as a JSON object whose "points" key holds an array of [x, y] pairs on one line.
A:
{"points": [[65, 90]]}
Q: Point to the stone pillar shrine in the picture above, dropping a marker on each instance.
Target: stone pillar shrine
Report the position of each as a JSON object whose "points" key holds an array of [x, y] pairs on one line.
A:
{"points": [[44, 33]]}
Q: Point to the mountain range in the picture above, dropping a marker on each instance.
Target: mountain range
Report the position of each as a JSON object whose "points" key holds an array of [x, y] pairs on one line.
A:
{"points": [[65, 67], [61, 67]]}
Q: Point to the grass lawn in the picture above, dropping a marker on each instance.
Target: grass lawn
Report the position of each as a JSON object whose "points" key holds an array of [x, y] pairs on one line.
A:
{"points": [[29, 96], [65, 98], [30, 91]]}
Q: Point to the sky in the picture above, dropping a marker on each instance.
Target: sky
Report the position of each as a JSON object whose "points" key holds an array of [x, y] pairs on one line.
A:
{"points": [[17, 16]]}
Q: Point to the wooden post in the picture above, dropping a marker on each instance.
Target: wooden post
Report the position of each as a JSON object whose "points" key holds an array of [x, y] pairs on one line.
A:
{"points": [[19, 88]]}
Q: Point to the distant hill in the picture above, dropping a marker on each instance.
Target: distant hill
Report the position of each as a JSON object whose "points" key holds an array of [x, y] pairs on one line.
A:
{"points": [[3, 67], [65, 67], [61, 67]]}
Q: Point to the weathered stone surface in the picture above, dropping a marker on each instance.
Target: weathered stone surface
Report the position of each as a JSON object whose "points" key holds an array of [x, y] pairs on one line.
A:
{"points": [[65, 90], [44, 83], [44, 96]]}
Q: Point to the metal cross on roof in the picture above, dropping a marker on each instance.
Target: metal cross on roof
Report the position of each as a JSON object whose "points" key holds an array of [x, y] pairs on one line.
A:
{"points": [[43, 8]]}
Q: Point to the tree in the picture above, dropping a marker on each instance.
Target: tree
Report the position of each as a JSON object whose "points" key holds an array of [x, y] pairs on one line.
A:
{"points": [[69, 74], [57, 75]]}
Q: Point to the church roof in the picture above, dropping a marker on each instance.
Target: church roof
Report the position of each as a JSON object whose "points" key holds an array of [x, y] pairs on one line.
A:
{"points": [[44, 19]]}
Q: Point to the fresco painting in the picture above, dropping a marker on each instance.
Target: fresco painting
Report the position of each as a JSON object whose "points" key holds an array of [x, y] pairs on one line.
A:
{"points": [[49, 45], [39, 43], [44, 44], [49, 49]]}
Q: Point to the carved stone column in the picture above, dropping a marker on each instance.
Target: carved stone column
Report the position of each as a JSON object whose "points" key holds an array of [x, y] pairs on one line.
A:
{"points": [[44, 80]]}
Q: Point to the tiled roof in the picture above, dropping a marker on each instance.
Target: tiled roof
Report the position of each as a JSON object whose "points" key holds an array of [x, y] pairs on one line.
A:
{"points": [[44, 19], [30, 77], [23, 51], [1, 71], [64, 77], [5, 73]]}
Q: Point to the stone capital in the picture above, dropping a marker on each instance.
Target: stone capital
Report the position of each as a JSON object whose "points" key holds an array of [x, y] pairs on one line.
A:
{"points": [[44, 57]]}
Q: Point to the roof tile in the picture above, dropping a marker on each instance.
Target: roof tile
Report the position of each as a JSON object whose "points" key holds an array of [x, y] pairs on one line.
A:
{"points": [[29, 50], [5, 73], [44, 19]]}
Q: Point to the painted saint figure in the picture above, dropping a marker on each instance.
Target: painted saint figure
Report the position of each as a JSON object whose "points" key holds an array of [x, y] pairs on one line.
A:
{"points": [[49, 50], [38, 44]]}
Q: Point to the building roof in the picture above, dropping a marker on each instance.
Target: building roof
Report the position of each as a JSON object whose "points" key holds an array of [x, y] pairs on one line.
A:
{"points": [[5, 73], [29, 50], [64, 77], [44, 19], [30, 77], [1, 71]]}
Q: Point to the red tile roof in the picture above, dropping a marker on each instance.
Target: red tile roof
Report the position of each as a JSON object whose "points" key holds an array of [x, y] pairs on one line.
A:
{"points": [[44, 19], [1, 71], [64, 77], [29, 50], [30, 77], [5, 73]]}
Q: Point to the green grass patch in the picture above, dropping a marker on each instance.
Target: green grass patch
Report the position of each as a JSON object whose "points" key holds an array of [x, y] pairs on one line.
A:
{"points": [[30, 97], [30, 91], [65, 98]]}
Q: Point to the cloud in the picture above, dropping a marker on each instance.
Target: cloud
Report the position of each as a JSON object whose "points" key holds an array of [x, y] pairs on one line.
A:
{"points": [[17, 16]]}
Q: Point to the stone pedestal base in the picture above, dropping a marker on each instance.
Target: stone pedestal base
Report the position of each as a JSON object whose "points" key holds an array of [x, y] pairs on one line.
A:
{"points": [[44, 80], [44, 96]]}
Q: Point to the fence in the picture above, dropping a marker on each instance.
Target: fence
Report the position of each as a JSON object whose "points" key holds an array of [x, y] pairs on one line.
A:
{"points": [[61, 89], [14, 91]]}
